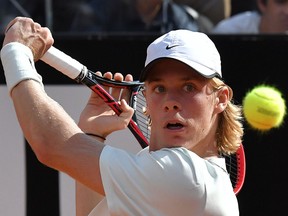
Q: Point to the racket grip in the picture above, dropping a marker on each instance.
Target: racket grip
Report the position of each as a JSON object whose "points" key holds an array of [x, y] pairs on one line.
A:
{"points": [[63, 63], [77, 71]]}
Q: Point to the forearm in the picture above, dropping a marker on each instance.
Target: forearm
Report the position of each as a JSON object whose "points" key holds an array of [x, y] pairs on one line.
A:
{"points": [[39, 116], [53, 135]]}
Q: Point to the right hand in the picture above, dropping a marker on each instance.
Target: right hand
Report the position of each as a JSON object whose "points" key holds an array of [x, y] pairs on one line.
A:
{"points": [[24, 30], [98, 118]]}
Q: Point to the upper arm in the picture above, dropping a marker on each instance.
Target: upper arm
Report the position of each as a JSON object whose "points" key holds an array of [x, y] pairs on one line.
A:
{"points": [[86, 199], [80, 159]]}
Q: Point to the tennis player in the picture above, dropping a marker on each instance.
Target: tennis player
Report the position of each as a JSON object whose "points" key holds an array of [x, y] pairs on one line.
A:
{"points": [[193, 120]]}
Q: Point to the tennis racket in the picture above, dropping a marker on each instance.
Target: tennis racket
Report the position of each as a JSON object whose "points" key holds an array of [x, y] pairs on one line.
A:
{"points": [[139, 124], [236, 167]]}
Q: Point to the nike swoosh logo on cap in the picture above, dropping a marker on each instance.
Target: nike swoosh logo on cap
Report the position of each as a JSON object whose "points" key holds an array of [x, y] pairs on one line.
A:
{"points": [[170, 47]]}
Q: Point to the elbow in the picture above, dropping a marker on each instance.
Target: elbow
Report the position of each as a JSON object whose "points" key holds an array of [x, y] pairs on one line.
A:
{"points": [[44, 156], [44, 151], [53, 152]]}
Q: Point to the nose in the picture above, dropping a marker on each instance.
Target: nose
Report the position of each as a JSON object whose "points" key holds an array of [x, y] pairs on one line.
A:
{"points": [[172, 104]]}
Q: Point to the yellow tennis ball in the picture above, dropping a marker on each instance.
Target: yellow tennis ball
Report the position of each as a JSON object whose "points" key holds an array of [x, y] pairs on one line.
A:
{"points": [[264, 107]]}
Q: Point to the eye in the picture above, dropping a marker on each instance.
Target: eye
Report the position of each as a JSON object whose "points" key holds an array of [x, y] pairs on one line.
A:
{"points": [[159, 89], [189, 87]]}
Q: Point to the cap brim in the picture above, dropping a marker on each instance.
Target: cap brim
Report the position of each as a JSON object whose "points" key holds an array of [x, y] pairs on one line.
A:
{"points": [[201, 69]]}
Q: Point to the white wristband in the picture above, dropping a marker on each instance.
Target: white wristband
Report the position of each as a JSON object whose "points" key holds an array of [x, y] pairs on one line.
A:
{"points": [[18, 64]]}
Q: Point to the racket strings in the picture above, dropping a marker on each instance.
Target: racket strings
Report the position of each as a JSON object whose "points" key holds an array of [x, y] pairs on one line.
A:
{"points": [[137, 102], [232, 168], [141, 118]]}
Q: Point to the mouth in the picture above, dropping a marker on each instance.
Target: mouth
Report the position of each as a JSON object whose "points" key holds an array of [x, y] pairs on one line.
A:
{"points": [[174, 126]]}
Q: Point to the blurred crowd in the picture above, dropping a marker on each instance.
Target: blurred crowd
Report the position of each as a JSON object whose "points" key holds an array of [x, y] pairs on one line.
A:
{"points": [[208, 16]]}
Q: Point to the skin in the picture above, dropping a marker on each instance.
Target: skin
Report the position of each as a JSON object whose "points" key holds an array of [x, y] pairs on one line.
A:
{"points": [[40, 116], [148, 9], [274, 16], [175, 93]]}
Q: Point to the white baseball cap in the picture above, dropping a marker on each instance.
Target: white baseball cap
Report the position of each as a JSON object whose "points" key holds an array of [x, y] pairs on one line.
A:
{"points": [[195, 49]]}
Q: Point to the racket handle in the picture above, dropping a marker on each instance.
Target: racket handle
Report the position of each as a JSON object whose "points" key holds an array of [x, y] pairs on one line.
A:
{"points": [[63, 63], [75, 70]]}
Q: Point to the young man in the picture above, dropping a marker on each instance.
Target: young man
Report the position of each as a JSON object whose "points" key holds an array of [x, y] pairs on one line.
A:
{"points": [[193, 121]]}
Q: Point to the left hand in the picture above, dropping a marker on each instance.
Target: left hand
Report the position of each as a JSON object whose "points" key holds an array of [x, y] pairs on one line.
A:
{"points": [[98, 118]]}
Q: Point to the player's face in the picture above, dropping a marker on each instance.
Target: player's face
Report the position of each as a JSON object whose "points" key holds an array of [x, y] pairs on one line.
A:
{"points": [[182, 106]]}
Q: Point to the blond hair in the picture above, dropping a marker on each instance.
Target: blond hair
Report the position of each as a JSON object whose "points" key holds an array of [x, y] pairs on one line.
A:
{"points": [[230, 130]]}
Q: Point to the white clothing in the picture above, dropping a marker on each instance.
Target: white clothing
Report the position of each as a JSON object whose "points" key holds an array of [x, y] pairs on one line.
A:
{"points": [[171, 181], [243, 23]]}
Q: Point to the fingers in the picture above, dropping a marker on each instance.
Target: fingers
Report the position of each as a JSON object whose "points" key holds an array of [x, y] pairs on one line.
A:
{"points": [[15, 20], [127, 112], [128, 77], [117, 76], [108, 75], [117, 93], [24, 30]]}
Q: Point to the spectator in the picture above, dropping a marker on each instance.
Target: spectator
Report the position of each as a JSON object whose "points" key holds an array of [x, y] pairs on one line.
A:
{"points": [[137, 16], [64, 12], [214, 10], [238, 6], [271, 17], [107, 15], [57, 15]]}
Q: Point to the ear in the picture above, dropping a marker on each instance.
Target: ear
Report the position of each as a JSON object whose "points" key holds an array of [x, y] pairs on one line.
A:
{"points": [[224, 95]]}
